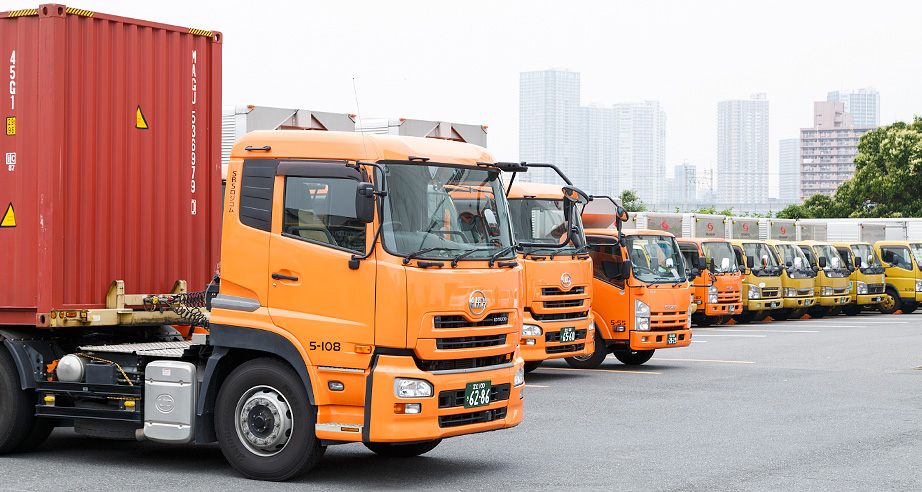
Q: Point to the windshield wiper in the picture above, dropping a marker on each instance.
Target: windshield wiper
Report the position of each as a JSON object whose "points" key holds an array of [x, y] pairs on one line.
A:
{"points": [[532, 251], [456, 259], [498, 254], [415, 254], [560, 251]]}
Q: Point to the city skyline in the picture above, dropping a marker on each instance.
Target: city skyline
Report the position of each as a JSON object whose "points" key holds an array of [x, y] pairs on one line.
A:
{"points": [[462, 64]]}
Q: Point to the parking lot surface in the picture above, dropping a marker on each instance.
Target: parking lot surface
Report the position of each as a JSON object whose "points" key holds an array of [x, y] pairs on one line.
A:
{"points": [[816, 404]]}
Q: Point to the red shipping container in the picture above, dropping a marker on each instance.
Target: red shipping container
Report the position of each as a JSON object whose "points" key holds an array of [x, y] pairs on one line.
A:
{"points": [[112, 159]]}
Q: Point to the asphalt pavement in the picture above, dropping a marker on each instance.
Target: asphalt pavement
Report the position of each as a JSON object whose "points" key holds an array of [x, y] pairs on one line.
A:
{"points": [[826, 404]]}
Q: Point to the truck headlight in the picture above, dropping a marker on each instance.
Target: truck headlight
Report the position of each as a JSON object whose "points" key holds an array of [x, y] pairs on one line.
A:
{"points": [[412, 388], [591, 325], [918, 285], [688, 319], [754, 291], [826, 291], [641, 316], [787, 292], [712, 294], [862, 287], [812, 291], [519, 378], [531, 331]]}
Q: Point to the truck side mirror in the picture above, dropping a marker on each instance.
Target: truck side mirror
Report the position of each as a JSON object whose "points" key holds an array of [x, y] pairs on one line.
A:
{"points": [[750, 261], [575, 195], [365, 202], [702, 264], [822, 261], [626, 269], [857, 262], [788, 261]]}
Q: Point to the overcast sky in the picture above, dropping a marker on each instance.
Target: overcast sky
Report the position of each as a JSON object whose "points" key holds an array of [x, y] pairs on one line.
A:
{"points": [[460, 61]]}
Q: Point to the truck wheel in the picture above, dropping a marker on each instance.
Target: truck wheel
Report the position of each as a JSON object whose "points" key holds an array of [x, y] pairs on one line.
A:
{"points": [[592, 360], [397, 450], [891, 302], [909, 308], [781, 314], [817, 312], [265, 422], [17, 407], [852, 310], [634, 358], [744, 318], [724, 319], [530, 365], [704, 320]]}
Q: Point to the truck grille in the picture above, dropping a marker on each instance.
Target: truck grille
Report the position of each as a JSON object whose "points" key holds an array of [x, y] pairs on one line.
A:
{"points": [[770, 292], [668, 320], [803, 292], [563, 304], [453, 364], [455, 321], [472, 417], [843, 290], [470, 342], [554, 336], [554, 291], [875, 288], [455, 398], [557, 349], [728, 297], [560, 316]]}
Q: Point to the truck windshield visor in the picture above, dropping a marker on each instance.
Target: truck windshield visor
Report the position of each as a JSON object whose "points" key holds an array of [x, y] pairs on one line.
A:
{"points": [[442, 211], [720, 257], [866, 253], [540, 223], [656, 259]]}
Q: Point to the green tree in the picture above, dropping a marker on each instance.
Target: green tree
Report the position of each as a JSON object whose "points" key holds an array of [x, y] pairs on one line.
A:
{"points": [[631, 201]]}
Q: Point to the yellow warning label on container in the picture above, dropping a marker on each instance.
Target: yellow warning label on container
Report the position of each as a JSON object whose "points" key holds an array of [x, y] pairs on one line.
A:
{"points": [[11, 125], [142, 123], [9, 218]]}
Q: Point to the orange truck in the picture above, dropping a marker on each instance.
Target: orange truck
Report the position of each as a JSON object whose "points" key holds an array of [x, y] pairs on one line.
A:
{"points": [[641, 295], [718, 291], [558, 270]]}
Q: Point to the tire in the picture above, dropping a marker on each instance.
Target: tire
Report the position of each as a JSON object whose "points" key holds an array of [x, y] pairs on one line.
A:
{"points": [[397, 450], [761, 315], [818, 312], [909, 308], [592, 360], [724, 319], [799, 313], [704, 320], [782, 314], [265, 391], [852, 310], [634, 358], [891, 302], [744, 318], [530, 365], [17, 407]]}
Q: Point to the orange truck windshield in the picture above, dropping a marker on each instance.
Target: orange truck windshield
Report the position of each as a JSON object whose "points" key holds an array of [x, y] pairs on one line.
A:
{"points": [[656, 259], [720, 257]]}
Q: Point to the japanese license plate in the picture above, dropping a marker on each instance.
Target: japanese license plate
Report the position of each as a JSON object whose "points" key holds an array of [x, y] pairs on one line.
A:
{"points": [[672, 339], [477, 394], [568, 334]]}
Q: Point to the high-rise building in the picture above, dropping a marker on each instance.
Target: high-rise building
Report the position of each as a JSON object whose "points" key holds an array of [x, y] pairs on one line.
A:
{"points": [[742, 150], [789, 169], [828, 149], [862, 104], [549, 122], [683, 187], [599, 176], [640, 148]]}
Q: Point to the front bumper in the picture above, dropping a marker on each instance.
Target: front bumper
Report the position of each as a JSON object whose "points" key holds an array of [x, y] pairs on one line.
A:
{"points": [[763, 304], [659, 339], [798, 302], [832, 301], [863, 299], [539, 348], [383, 424], [723, 308]]}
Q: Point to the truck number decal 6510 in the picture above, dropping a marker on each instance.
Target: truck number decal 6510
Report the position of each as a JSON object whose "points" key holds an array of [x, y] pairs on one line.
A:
{"points": [[13, 80]]}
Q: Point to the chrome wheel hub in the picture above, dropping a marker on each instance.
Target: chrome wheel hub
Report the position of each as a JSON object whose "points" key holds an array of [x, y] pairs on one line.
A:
{"points": [[263, 420]]}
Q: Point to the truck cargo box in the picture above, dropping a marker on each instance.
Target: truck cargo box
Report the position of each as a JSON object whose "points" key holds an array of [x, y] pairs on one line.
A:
{"points": [[111, 159]]}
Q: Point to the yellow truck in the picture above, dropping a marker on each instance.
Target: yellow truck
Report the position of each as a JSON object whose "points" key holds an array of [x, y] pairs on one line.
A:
{"points": [[762, 284], [831, 288], [797, 280], [903, 263], [866, 283]]}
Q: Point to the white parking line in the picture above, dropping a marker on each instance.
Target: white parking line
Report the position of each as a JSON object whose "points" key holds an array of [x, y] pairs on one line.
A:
{"points": [[744, 336], [771, 331], [699, 341]]}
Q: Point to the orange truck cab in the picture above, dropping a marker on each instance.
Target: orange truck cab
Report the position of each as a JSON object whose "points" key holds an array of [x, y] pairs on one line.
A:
{"points": [[641, 296], [716, 278], [558, 271], [403, 317], [762, 284], [866, 283], [831, 288], [797, 280], [903, 263]]}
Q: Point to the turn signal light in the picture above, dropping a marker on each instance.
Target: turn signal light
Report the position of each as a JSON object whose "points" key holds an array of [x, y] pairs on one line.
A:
{"points": [[363, 349]]}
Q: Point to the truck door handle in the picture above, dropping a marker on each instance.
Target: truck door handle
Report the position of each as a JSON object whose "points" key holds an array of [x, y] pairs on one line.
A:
{"points": [[279, 276]]}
